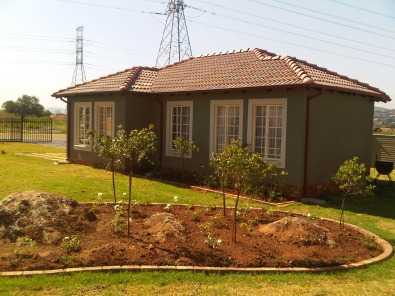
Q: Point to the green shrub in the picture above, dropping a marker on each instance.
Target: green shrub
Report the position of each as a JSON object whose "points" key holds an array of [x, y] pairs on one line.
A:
{"points": [[71, 244], [352, 180]]}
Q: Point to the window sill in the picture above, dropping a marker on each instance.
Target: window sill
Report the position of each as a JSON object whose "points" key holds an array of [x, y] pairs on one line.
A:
{"points": [[174, 154], [82, 147]]}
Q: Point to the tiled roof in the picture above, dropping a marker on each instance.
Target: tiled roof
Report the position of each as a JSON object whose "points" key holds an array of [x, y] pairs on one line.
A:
{"points": [[136, 78], [232, 70]]}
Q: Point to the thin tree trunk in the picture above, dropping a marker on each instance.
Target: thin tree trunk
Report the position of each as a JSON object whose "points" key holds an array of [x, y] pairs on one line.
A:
{"points": [[235, 216], [342, 212], [113, 182], [223, 196], [130, 199]]}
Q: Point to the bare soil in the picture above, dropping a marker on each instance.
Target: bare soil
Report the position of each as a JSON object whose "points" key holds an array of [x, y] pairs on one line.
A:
{"points": [[175, 236]]}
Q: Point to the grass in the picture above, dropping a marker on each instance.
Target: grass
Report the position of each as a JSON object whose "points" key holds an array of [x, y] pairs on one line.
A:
{"points": [[18, 173]]}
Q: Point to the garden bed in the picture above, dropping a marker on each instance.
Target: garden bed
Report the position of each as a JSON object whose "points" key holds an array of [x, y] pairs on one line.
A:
{"points": [[163, 235]]}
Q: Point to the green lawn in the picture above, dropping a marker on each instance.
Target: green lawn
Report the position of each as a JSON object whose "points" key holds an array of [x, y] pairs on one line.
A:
{"points": [[83, 183]]}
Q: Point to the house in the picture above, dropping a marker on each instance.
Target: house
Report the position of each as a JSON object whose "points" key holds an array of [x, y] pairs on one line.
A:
{"points": [[300, 116]]}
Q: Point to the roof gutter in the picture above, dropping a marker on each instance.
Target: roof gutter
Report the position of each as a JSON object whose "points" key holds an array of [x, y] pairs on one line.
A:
{"points": [[307, 138]]}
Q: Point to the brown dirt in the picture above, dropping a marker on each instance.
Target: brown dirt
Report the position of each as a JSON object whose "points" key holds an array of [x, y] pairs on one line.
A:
{"points": [[180, 240]]}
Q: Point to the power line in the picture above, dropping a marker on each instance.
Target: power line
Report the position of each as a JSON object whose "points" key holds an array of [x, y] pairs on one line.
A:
{"points": [[294, 44], [119, 8], [292, 25], [364, 9], [324, 19], [265, 27], [334, 16]]}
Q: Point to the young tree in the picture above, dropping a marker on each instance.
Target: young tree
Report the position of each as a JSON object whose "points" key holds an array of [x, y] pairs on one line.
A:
{"points": [[220, 165], [238, 163], [136, 146], [184, 148], [111, 150], [352, 180]]}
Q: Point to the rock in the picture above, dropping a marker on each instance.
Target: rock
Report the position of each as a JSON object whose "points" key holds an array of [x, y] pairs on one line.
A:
{"points": [[43, 217], [90, 215], [51, 236], [314, 201], [164, 226], [296, 230]]}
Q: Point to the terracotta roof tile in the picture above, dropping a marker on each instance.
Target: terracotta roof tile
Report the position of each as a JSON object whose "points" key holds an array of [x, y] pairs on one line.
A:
{"points": [[230, 70]]}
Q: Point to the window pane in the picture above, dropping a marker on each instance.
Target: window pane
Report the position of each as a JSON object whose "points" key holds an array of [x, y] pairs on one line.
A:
{"points": [[227, 120]]}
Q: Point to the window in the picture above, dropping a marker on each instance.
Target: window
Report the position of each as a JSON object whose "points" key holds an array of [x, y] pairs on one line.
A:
{"points": [[267, 129], [179, 123], [83, 124], [226, 123], [104, 117]]}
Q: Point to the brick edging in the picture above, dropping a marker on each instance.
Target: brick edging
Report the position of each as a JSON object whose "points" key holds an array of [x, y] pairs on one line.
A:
{"points": [[386, 246]]}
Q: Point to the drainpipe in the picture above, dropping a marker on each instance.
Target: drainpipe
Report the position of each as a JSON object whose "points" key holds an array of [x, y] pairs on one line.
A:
{"points": [[161, 131], [307, 139]]}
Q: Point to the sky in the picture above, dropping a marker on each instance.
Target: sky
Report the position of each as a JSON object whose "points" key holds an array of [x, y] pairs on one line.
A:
{"points": [[37, 49]]}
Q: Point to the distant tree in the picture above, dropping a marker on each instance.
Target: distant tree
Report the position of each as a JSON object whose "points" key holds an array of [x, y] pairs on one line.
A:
{"points": [[26, 106]]}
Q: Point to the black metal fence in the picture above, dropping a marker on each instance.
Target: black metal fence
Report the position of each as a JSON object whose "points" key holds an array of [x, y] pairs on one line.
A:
{"points": [[26, 130]]}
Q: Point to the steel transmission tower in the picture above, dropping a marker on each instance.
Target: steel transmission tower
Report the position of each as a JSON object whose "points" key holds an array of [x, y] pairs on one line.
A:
{"points": [[79, 75], [175, 44]]}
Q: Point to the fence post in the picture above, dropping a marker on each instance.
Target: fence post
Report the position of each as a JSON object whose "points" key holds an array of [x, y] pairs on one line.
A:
{"points": [[22, 126]]}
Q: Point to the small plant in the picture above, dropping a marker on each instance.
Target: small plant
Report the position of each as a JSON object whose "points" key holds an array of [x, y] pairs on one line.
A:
{"points": [[196, 216], [66, 260], [218, 222], [245, 227], [118, 222], [212, 241], [206, 227], [352, 180], [71, 244], [25, 241], [167, 207]]}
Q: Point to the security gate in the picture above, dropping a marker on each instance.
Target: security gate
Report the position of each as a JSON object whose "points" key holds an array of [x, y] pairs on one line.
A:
{"points": [[26, 130]]}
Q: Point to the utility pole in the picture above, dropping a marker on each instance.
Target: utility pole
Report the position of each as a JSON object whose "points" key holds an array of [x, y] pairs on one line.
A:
{"points": [[175, 44], [79, 75]]}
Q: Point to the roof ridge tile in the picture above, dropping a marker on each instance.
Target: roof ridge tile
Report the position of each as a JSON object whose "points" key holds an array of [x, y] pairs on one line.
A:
{"points": [[299, 71], [317, 67]]}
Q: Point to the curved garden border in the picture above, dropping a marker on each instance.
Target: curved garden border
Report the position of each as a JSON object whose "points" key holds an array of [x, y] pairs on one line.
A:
{"points": [[386, 246]]}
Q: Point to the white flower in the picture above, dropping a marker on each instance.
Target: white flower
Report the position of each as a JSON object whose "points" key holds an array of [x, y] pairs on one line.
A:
{"points": [[124, 194], [308, 215], [175, 198], [219, 241], [99, 194]]}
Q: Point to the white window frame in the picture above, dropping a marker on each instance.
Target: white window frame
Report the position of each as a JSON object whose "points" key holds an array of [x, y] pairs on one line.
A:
{"points": [[104, 104], [252, 104], [213, 130], [169, 125], [78, 105]]}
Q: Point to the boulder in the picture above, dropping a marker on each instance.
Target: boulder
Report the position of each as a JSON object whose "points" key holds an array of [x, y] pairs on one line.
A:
{"points": [[43, 217], [164, 226], [297, 230]]}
